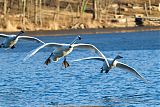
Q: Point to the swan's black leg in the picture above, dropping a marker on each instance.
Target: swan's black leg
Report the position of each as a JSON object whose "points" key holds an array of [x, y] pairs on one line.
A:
{"points": [[13, 47], [65, 63], [48, 59]]}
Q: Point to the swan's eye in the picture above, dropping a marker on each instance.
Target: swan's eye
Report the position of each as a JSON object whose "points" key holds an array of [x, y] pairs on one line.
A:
{"points": [[70, 46]]}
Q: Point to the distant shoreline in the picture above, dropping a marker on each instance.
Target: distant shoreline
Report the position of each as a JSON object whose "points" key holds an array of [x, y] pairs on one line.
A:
{"points": [[87, 31]]}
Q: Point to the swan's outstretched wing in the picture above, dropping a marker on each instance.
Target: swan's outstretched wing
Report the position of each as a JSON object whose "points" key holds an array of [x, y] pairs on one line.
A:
{"points": [[3, 35], [7, 36], [85, 46], [91, 47], [33, 52], [30, 39], [129, 69], [89, 58]]}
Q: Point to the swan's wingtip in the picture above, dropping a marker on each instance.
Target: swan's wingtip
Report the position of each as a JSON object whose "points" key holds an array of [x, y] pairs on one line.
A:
{"points": [[146, 81], [25, 59]]}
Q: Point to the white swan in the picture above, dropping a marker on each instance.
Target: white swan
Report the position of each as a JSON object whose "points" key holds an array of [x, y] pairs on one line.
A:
{"points": [[114, 63], [11, 40], [62, 50]]}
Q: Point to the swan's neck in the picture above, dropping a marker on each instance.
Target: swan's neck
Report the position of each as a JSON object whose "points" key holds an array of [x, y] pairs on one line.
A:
{"points": [[51, 55], [113, 61], [19, 34], [117, 57], [75, 40]]}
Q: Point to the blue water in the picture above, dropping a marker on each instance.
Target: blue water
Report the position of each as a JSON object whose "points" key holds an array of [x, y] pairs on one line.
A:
{"points": [[33, 84]]}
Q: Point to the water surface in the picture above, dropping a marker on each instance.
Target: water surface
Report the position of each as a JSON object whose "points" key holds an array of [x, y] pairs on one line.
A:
{"points": [[32, 83]]}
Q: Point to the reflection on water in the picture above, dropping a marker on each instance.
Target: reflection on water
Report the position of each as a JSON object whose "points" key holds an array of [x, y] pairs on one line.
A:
{"points": [[32, 83]]}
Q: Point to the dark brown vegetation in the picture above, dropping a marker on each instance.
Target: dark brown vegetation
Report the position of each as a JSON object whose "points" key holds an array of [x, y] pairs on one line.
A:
{"points": [[68, 14]]}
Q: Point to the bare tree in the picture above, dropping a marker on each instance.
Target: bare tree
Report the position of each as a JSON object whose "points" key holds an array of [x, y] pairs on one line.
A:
{"points": [[36, 11], [150, 12], [40, 12], [94, 5], [58, 8], [24, 11], [5, 7]]}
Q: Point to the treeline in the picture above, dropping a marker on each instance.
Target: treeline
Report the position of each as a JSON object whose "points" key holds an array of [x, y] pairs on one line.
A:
{"points": [[38, 11]]}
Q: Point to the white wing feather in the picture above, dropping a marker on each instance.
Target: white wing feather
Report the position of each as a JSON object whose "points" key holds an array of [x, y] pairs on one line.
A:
{"points": [[91, 47], [129, 69], [33, 52], [3, 35], [30, 39], [90, 58]]}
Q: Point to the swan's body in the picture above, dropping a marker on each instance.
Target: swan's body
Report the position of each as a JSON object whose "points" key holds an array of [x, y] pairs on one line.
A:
{"points": [[11, 40], [62, 50], [112, 64]]}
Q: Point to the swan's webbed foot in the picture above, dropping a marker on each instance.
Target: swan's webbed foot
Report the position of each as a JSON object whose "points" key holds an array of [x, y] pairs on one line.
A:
{"points": [[102, 70], [48, 61], [65, 63], [13, 47], [106, 71]]}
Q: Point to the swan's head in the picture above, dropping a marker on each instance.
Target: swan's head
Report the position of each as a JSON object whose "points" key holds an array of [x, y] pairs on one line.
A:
{"points": [[118, 57], [21, 32], [79, 37]]}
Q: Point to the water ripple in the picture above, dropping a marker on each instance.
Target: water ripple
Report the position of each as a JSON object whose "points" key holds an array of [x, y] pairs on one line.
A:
{"points": [[33, 84]]}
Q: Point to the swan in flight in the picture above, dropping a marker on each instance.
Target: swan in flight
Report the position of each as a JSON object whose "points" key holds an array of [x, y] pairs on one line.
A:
{"points": [[11, 40], [112, 64], [62, 50]]}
